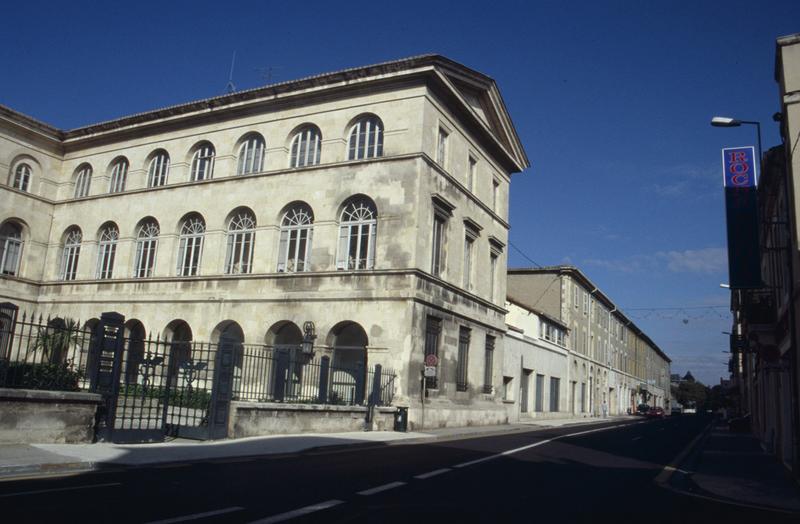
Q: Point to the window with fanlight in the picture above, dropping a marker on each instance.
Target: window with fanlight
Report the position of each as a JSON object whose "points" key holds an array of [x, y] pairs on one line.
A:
{"points": [[295, 242]]}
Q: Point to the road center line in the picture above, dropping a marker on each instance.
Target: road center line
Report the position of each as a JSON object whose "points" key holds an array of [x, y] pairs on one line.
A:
{"points": [[53, 490], [298, 512], [378, 489], [432, 473], [535, 444], [195, 516]]}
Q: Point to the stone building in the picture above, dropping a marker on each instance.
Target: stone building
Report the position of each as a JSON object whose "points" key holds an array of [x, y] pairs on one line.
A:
{"points": [[372, 201], [609, 359]]}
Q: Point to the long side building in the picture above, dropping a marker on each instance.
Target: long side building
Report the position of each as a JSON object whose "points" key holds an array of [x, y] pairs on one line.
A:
{"points": [[594, 352]]}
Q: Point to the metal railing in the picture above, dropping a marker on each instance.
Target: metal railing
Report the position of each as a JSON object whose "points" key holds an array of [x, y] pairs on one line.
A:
{"points": [[43, 353]]}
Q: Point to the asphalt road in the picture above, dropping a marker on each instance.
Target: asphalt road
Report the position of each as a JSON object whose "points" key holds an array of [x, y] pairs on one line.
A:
{"points": [[600, 473]]}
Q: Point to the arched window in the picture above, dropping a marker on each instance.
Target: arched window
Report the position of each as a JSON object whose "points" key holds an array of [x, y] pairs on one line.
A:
{"points": [[106, 251], [193, 230], [306, 147], [251, 155], [158, 170], [203, 162], [70, 253], [295, 244], [119, 174], [366, 138], [22, 177], [241, 238], [83, 180], [10, 248], [146, 247], [357, 226]]}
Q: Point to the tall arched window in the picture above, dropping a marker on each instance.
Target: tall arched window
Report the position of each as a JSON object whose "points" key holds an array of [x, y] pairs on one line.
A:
{"points": [[366, 138], [306, 147], [193, 229], [251, 155], [241, 238], [146, 247], [10, 248], [83, 180], [22, 177], [158, 170], [106, 251], [295, 244], [119, 175], [203, 162], [70, 254], [357, 225]]}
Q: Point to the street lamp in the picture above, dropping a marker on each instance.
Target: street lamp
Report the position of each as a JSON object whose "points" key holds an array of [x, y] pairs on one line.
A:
{"points": [[309, 335], [725, 121]]}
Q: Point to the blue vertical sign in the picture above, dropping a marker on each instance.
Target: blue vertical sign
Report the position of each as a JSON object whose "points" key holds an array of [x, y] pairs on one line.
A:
{"points": [[740, 178], [740, 168]]}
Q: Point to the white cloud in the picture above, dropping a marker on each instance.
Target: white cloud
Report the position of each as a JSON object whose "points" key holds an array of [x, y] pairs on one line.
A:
{"points": [[707, 260]]}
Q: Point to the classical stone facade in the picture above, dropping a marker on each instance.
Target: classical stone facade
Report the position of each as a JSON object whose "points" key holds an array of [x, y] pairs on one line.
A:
{"points": [[608, 358], [371, 201]]}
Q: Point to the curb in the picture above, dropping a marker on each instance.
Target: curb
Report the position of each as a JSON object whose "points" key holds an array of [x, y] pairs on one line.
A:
{"points": [[665, 478], [32, 471]]}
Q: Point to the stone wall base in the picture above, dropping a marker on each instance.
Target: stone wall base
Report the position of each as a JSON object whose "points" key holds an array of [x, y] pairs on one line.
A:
{"points": [[47, 417], [446, 415], [251, 419]]}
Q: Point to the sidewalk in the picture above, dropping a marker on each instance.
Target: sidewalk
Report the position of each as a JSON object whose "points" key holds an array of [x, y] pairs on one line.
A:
{"points": [[732, 468], [22, 460]]}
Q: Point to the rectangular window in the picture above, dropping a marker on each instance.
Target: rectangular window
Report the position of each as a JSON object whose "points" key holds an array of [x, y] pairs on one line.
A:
{"points": [[575, 295], [433, 328], [145, 257], [439, 224], [488, 365], [583, 397], [585, 304], [472, 171], [555, 387], [10, 249], [539, 406], [524, 386], [508, 388], [462, 365], [492, 275], [495, 192], [469, 241], [441, 147]]}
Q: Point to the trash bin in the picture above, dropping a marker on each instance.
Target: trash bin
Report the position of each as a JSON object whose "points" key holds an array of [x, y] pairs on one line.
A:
{"points": [[401, 419]]}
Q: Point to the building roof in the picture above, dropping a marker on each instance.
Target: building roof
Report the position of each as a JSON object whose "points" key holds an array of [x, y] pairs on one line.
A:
{"points": [[577, 274], [549, 318], [466, 88]]}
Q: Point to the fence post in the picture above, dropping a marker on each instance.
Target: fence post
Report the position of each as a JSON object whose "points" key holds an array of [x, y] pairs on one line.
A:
{"points": [[361, 380], [282, 366], [324, 371], [375, 395], [222, 387], [8, 321], [105, 356]]}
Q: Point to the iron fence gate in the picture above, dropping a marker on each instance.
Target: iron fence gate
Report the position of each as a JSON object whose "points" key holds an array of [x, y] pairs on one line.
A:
{"points": [[154, 388]]}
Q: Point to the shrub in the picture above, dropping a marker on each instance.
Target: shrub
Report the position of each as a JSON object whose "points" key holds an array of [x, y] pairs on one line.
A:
{"points": [[43, 376]]}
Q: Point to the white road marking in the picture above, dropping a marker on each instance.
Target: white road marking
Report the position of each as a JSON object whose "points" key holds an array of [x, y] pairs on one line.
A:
{"points": [[432, 473], [53, 490], [535, 444], [378, 489], [637, 438], [298, 512], [195, 516]]}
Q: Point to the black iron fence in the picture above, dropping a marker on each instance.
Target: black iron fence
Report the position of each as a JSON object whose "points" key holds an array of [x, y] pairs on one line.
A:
{"points": [[285, 374], [39, 352], [43, 353]]}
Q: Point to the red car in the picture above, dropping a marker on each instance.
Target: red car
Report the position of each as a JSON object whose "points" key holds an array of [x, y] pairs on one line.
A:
{"points": [[655, 412]]}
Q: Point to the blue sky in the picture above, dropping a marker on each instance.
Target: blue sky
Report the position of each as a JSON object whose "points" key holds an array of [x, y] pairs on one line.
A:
{"points": [[611, 99]]}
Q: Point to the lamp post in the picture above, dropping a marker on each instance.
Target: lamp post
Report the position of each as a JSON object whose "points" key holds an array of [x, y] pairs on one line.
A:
{"points": [[724, 121]]}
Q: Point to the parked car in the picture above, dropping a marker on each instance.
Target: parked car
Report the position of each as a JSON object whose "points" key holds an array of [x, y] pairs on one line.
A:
{"points": [[656, 412], [690, 410], [676, 410], [642, 409]]}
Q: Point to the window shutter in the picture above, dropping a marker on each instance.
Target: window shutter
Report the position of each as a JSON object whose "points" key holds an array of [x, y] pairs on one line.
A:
{"points": [[283, 247], [307, 254], [341, 256], [371, 251]]}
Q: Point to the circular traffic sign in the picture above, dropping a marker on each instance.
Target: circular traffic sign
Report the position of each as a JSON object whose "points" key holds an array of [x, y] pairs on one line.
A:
{"points": [[431, 360]]}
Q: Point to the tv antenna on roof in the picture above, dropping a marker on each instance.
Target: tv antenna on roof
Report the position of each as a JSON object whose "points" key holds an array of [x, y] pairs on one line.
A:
{"points": [[231, 87]]}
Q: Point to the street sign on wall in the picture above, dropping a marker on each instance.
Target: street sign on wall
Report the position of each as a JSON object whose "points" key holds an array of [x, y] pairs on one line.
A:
{"points": [[740, 169], [740, 178]]}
